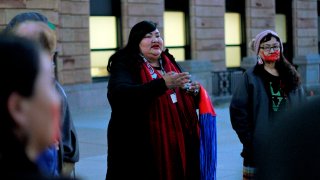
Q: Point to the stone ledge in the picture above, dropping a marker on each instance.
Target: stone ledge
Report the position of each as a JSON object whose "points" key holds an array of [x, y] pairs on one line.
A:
{"points": [[86, 96]]}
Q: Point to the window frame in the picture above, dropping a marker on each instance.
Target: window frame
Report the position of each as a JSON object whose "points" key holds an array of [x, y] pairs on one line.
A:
{"points": [[238, 6], [181, 6], [110, 8]]}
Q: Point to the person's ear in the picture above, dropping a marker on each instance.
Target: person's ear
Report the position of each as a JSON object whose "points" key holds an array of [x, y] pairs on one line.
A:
{"points": [[17, 106]]}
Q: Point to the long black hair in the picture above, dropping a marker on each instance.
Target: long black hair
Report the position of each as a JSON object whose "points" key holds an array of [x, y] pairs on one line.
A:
{"points": [[289, 76], [130, 53]]}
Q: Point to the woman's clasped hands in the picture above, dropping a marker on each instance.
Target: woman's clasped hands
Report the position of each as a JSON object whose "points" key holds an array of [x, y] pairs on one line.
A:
{"points": [[181, 80]]}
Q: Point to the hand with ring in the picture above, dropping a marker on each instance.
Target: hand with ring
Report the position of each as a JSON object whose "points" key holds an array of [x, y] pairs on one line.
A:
{"points": [[174, 79], [193, 87]]}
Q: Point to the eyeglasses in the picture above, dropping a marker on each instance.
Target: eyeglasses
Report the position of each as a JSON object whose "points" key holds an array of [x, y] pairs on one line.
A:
{"points": [[268, 48]]}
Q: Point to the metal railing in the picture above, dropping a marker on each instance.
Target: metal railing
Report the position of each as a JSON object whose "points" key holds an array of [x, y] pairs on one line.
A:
{"points": [[225, 82]]}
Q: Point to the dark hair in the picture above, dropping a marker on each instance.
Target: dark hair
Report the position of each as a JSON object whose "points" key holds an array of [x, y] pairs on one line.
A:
{"points": [[268, 38], [287, 72], [25, 16], [20, 60], [132, 49]]}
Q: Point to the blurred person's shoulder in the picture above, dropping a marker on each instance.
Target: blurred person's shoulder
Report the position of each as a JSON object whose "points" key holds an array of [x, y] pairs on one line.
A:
{"points": [[290, 148]]}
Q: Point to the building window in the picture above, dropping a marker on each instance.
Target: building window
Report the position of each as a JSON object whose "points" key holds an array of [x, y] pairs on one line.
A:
{"points": [[281, 27], [104, 34], [174, 34], [234, 29], [176, 28], [103, 43], [233, 39]]}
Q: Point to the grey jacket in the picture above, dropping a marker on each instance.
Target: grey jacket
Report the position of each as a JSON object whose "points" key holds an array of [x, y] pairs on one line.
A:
{"points": [[69, 145], [249, 108]]}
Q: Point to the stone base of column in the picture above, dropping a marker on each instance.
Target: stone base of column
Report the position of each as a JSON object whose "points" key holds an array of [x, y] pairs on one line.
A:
{"points": [[201, 71], [309, 69], [248, 62]]}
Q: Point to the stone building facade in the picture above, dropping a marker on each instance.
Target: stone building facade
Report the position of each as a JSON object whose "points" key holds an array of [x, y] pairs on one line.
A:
{"points": [[206, 35], [71, 21]]}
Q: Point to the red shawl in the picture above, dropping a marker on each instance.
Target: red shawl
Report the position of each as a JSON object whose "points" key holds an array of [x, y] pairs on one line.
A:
{"points": [[174, 131]]}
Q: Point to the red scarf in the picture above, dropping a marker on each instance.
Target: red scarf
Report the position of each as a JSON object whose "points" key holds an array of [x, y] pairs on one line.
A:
{"points": [[174, 129]]}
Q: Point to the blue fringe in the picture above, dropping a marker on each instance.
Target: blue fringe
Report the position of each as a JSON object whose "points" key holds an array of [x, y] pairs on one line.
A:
{"points": [[208, 146]]}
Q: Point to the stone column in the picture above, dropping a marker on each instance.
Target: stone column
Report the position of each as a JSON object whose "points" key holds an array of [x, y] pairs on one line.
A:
{"points": [[207, 32], [73, 36], [200, 71], [134, 11], [260, 15], [305, 33], [71, 19], [207, 41], [309, 66]]}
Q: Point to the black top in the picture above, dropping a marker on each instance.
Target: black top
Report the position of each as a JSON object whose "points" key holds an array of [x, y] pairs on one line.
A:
{"points": [[127, 127], [277, 97]]}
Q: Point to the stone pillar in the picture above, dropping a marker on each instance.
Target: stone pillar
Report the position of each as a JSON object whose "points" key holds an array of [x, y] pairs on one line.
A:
{"points": [[309, 69], [305, 27], [134, 11], [305, 33], [72, 28], [207, 32], [10, 8], [201, 72], [260, 15], [248, 62], [73, 36]]}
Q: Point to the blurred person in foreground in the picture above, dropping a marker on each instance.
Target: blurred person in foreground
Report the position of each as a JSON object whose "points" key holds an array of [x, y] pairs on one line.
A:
{"points": [[290, 149], [153, 132], [30, 108], [60, 157], [270, 87]]}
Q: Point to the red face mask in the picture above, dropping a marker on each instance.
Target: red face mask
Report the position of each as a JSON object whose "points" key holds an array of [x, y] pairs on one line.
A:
{"points": [[271, 57]]}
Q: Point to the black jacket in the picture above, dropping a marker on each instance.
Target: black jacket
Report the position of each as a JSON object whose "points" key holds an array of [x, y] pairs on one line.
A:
{"points": [[249, 108], [129, 153]]}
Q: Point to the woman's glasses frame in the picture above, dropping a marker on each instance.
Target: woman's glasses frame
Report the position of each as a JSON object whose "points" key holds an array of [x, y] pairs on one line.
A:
{"points": [[268, 48]]}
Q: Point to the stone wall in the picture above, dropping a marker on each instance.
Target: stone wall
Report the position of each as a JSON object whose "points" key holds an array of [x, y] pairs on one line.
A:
{"points": [[71, 19], [134, 11], [305, 33], [201, 72], [74, 60], [305, 27], [207, 32], [206, 35], [10, 8], [260, 15]]}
